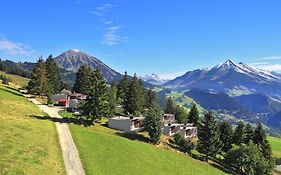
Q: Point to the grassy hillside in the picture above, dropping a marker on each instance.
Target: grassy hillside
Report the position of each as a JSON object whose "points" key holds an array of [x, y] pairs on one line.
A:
{"points": [[275, 145], [27, 145], [21, 81], [103, 151]]}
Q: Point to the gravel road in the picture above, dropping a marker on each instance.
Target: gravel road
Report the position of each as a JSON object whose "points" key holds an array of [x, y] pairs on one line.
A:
{"points": [[70, 153]]}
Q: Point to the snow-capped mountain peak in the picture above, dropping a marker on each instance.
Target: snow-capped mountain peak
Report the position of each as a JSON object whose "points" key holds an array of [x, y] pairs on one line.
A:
{"points": [[153, 79], [230, 77]]}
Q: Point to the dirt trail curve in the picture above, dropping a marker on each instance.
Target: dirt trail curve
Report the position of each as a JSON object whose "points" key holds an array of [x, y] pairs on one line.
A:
{"points": [[70, 153]]}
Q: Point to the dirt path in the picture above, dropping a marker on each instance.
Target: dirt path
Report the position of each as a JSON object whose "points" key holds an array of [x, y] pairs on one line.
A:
{"points": [[70, 153]]}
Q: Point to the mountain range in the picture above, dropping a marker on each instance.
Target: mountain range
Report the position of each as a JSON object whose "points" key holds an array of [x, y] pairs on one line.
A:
{"points": [[231, 78], [233, 88]]}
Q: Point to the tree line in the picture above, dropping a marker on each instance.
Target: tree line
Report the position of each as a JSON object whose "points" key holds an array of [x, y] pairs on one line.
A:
{"points": [[14, 68]]}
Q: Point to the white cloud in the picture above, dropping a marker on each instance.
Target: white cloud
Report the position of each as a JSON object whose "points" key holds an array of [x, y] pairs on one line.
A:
{"points": [[271, 58], [13, 48], [105, 7], [111, 36], [271, 67], [97, 13], [171, 75], [259, 63], [107, 22], [270, 63]]}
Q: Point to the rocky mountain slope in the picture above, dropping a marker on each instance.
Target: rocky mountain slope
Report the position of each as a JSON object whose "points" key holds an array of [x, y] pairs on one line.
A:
{"points": [[71, 61]]}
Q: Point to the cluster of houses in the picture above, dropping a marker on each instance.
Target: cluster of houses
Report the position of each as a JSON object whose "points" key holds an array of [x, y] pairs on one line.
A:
{"points": [[129, 124], [68, 100], [136, 124]]}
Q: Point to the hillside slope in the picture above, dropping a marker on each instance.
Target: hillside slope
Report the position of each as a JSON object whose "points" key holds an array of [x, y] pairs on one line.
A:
{"points": [[27, 145], [108, 153]]}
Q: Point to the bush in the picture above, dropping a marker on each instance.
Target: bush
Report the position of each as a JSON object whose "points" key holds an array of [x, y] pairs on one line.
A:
{"points": [[4, 79], [277, 161], [185, 145]]}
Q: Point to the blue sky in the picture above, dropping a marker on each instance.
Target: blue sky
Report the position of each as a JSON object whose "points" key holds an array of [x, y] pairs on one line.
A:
{"points": [[148, 36]]}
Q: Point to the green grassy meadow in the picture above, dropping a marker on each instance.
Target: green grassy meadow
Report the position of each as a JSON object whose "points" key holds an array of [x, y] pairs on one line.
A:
{"points": [[21, 81], [103, 151], [275, 145], [27, 145]]}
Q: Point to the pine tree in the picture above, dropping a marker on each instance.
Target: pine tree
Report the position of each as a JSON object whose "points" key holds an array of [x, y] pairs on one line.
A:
{"points": [[239, 134], [225, 133], [208, 136], [123, 89], [82, 80], [53, 75], [112, 98], [266, 150], [39, 81], [259, 135], [153, 123], [134, 103], [150, 98], [96, 105], [248, 133], [193, 116], [170, 107], [180, 114]]}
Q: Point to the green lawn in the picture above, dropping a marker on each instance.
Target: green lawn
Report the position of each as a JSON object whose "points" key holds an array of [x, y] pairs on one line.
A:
{"points": [[27, 145], [275, 145], [21, 81], [104, 152]]}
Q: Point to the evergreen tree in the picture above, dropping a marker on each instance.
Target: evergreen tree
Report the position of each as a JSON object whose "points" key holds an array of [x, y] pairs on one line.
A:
{"points": [[150, 98], [53, 75], [266, 150], [239, 134], [247, 159], [248, 133], [180, 114], [112, 98], [83, 81], [170, 107], [225, 134], [153, 123], [193, 116], [96, 105], [123, 89], [259, 135], [134, 103], [39, 81], [208, 136]]}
